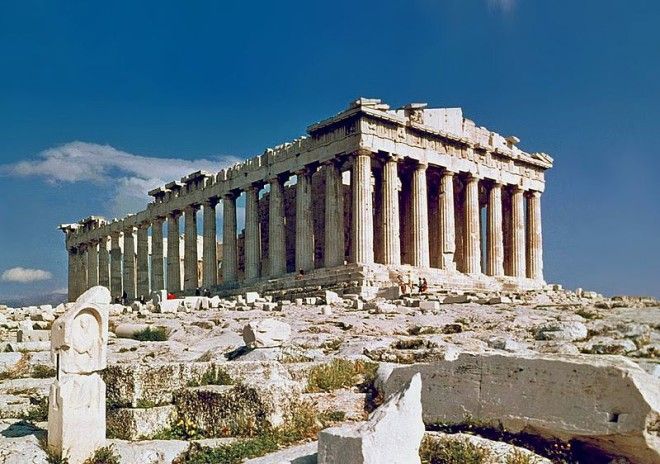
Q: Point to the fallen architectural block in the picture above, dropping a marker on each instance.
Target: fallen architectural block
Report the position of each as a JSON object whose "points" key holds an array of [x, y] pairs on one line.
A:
{"points": [[391, 435], [97, 295], [140, 423], [23, 336], [605, 402], [266, 333]]}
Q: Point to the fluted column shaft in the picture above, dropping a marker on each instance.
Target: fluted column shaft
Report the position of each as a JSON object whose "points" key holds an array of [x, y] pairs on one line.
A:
{"points": [[72, 270], [534, 237], [190, 281], [517, 232], [173, 257], [472, 231], [92, 264], [495, 237], [129, 263], [104, 263], [115, 266], [420, 219], [229, 245], [210, 267], [276, 238], [447, 222], [157, 259], [252, 235], [304, 225], [143, 261], [390, 208], [334, 217], [362, 227]]}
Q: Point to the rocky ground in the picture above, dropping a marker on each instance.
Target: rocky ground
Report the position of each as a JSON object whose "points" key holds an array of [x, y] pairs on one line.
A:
{"points": [[224, 380]]}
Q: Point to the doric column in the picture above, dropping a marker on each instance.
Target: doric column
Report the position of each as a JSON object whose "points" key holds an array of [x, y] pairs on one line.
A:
{"points": [[104, 263], [517, 232], [334, 216], [157, 260], [472, 231], [362, 227], [129, 263], [446, 221], [210, 266], [173, 257], [92, 264], [390, 207], [252, 235], [229, 245], [115, 265], [276, 238], [143, 261], [495, 238], [534, 237], [72, 271], [82, 270], [420, 219], [190, 281], [304, 223]]}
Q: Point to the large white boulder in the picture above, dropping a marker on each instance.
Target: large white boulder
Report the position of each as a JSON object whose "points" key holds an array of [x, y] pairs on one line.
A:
{"points": [[391, 435], [266, 333], [97, 295], [568, 331], [606, 402]]}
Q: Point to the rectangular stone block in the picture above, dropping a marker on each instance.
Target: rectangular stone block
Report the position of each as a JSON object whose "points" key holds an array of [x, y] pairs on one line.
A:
{"points": [[140, 423], [33, 336]]}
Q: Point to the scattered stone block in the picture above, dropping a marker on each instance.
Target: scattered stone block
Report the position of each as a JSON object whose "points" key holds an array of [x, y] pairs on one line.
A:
{"points": [[128, 330], [95, 295], [266, 333], [251, 297], [429, 305], [333, 298], [569, 331], [33, 335], [140, 423], [499, 300], [457, 299], [301, 454]]}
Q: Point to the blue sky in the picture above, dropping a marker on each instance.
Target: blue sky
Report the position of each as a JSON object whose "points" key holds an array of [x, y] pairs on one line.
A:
{"points": [[139, 91]]}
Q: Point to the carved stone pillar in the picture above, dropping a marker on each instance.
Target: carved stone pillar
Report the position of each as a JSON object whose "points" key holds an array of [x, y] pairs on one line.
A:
{"points": [[210, 245], [517, 232], [173, 255], [143, 261], [446, 220], [420, 219], [72, 273], [229, 245], [92, 264], [190, 281], [104, 263], [252, 233], [334, 216], [115, 266], [276, 238], [472, 230], [304, 222], [390, 208], [534, 237], [157, 259], [129, 263], [495, 238], [362, 227]]}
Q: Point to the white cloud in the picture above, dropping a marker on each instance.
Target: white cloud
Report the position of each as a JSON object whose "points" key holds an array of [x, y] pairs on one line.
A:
{"points": [[24, 276], [129, 176], [503, 5]]}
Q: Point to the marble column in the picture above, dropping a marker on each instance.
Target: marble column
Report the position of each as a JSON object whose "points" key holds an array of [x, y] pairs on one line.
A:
{"points": [[129, 263], [229, 245], [210, 266], [157, 259], [252, 233], [334, 216], [276, 230], [190, 281], [115, 266], [362, 227], [304, 222], [82, 270], [104, 263], [173, 256], [446, 221], [517, 232], [92, 264], [420, 219], [495, 237], [390, 208], [72, 273], [534, 237], [472, 226], [143, 261]]}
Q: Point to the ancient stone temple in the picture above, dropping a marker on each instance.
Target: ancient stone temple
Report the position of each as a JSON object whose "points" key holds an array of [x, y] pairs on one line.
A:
{"points": [[369, 197]]}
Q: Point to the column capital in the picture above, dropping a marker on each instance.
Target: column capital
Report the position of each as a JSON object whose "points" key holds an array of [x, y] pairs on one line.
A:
{"points": [[210, 202], [281, 178], [517, 188], [533, 194], [304, 171], [363, 152], [421, 165], [254, 186], [472, 177], [174, 214], [446, 172], [191, 208], [129, 230], [158, 219], [231, 195]]}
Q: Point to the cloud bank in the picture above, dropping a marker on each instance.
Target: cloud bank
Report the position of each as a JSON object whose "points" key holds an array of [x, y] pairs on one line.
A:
{"points": [[129, 176], [25, 276]]}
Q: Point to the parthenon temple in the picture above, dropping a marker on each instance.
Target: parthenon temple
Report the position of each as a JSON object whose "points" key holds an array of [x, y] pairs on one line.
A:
{"points": [[369, 196]]}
